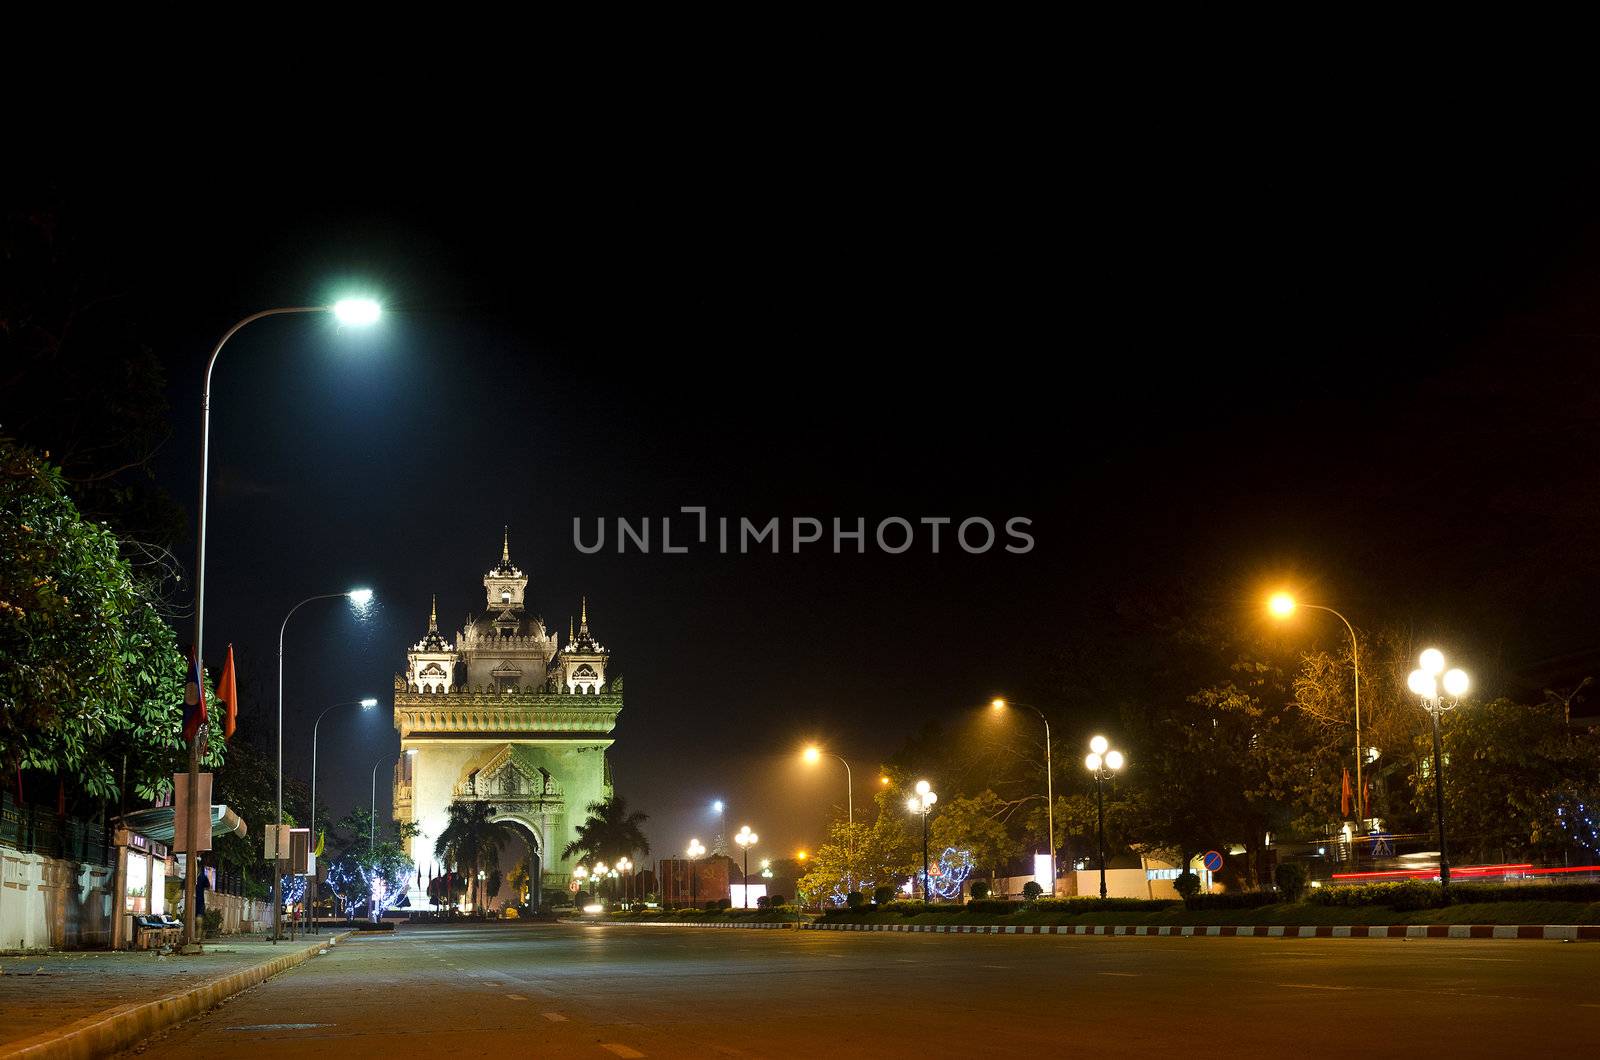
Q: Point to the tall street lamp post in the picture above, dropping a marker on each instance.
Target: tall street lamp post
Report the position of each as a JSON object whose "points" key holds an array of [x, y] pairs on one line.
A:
{"points": [[921, 803], [1103, 764], [812, 755], [365, 704], [350, 311], [1049, 783], [694, 852], [746, 839], [1425, 682], [625, 867], [719, 845], [359, 598], [1282, 605]]}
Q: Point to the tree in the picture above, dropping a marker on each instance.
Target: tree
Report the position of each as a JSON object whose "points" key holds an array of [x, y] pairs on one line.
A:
{"points": [[609, 833], [975, 823], [91, 679], [472, 840]]}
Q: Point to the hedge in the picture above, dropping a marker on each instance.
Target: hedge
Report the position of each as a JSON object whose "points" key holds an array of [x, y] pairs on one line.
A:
{"points": [[1525, 892], [1402, 895], [1232, 900], [1091, 904]]}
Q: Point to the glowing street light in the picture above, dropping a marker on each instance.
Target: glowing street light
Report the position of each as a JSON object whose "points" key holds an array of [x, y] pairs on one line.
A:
{"points": [[1102, 762], [359, 598], [356, 312], [191, 854], [1282, 605], [813, 754], [625, 867], [999, 705], [364, 704], [1425, 683], [921, 803], [746, 839], [720, 809]]}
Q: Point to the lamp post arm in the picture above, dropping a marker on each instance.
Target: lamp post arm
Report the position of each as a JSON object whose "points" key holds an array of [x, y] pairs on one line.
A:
{"points": [[283, 629]]}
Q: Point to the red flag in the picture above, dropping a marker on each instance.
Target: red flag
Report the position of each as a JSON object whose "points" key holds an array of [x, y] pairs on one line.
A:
{"points": [[194, 700], [1344, 796], [228, 692], [1366, 800]]}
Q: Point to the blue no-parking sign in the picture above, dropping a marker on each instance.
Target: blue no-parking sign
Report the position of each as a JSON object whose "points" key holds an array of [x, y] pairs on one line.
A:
{"points": [[1212, 861]]}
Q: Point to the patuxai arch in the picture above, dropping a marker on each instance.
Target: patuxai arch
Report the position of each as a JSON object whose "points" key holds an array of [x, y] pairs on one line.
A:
{"points": [[506, 714]]}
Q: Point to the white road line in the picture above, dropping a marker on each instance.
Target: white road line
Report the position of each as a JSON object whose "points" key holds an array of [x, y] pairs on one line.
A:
{"points": [[516, 997], [621, 1050], [1312, 986], [554, 1017], [1124, 975]]}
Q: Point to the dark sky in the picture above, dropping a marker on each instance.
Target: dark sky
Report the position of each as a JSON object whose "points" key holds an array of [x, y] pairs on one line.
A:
{"points": [[1190, 369]]}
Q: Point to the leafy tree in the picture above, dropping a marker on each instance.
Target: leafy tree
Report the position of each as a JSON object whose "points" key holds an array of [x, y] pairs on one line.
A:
{"points": [[862, 853], [610, 832], [91, 679], [974, 823], [247, 784]]}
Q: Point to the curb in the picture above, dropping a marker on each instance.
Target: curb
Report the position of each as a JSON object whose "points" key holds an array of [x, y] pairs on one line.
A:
{"points": [[118, 1029], [670, 923], [1552, 932]]}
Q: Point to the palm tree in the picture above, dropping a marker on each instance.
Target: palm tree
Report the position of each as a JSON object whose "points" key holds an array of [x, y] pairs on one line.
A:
{"points": [[610, 832], [472, 841]]}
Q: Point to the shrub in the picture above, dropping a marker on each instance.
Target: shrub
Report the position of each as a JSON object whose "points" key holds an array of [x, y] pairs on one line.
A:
{"points": [[778, 900], [212, 920], [980, 890], [725, 903], [1187, 884], [1032, 890], [905, 908], [763, 901], [1231, 900], [1090, 904], [1525, 892], [882, 895], [993, 906], [855, 900], [1291, 876], [1402, 896], [712, 906]]}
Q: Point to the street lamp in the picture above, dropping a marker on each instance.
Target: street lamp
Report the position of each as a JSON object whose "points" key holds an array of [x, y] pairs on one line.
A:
{"points": [[625, 867], [359, 599], [720, 810], [694, 852], [1282, 605], [372, 821], [598, 875], [1102, 763], [365, 704], [352, 311], [1049, 783], [812, 755], [1425, 682], [746, 839], [580, 874], [921, 803]]}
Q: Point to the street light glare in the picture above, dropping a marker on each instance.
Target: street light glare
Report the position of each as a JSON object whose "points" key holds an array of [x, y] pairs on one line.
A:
{"points": [[410, 751], [369, 702], [1281, 605], [1455, 682], [357, 312], [360, 597], [1099, 744], [922, 787], [998, 704], [811, 755], [1113, 760], [1092, 760], [1421, 682], [716, 807], [1433, 661]]}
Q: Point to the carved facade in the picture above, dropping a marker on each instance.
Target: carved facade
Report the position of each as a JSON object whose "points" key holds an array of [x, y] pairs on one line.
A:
{"points": [[507, 715]]}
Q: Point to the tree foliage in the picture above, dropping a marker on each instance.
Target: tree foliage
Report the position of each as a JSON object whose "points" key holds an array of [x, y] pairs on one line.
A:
{"points": [[610, 832], [472, 840]]}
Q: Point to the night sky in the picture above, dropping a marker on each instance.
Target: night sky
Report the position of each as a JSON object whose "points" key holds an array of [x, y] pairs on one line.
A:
{"points": [[1193, 374]]}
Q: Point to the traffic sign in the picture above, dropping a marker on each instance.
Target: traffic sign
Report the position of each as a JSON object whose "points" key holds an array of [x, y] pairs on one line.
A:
{"points": [[1212, 861]]}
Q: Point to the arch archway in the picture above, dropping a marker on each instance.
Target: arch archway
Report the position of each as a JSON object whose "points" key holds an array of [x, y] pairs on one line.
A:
{"points": [[526, 851]]}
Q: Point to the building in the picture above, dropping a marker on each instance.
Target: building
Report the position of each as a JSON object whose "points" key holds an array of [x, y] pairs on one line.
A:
{"points": [[505, 714]]}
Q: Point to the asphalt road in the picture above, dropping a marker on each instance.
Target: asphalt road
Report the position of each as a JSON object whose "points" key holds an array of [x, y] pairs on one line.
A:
{"points": [[502, 990]]}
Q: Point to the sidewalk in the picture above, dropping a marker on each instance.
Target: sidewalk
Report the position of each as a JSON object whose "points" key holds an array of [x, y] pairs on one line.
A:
{"points": [[40, 993]]}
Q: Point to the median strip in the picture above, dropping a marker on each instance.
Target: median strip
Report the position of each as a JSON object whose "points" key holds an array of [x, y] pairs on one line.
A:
{"points": [[1548, 932]]}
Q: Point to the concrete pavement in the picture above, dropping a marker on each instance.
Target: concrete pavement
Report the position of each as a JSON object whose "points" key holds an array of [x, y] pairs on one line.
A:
{"points": [[513, 989]]}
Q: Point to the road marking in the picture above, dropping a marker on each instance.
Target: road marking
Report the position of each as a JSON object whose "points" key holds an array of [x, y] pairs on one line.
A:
{"points": [[516, 997], [279, 1026], [1124, 975], [621, 1050], [1313, 986], [554, 1017], [996, 967]]}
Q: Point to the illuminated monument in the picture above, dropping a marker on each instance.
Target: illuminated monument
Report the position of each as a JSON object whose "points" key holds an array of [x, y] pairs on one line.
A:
{"points": [[504, 715]]}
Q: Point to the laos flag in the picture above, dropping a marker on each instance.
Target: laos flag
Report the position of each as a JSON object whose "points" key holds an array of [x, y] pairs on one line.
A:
{"points": [[194, 700]]}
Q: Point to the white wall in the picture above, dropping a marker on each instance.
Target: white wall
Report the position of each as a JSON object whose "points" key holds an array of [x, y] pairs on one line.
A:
{"points": [[50, 904]]}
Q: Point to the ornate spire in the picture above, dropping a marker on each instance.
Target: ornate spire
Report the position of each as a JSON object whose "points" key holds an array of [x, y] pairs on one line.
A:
{"points": [[583, 642], [570, 637], [583, 623], [433, 641], [505, 548], [433, 615]]}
